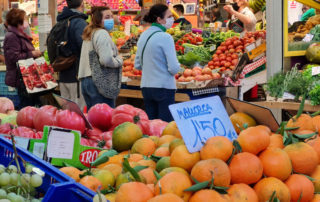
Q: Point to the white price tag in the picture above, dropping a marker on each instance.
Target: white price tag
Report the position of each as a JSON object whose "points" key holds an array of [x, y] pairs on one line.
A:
{"points": [[315, 70], [45, 23], [43, 6], [213, 48], [201, 119], [60, 144], [22, 142], [288, 96], [308, 38], [38, 149]]}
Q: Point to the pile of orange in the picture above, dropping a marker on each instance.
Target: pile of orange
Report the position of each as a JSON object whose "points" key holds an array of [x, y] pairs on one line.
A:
{"points": [[265, 167]]}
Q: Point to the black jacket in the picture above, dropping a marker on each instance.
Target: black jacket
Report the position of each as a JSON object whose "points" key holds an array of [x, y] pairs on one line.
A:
{"points": [[76, 28], [183, 21]]}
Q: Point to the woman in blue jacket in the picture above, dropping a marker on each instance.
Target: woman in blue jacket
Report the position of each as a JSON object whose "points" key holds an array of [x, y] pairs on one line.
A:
{"points": [[156, 57]]}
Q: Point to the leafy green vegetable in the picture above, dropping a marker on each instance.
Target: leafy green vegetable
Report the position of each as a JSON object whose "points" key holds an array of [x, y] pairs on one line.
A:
{"points": [[314, 95], [189, 59], [275, 85]]}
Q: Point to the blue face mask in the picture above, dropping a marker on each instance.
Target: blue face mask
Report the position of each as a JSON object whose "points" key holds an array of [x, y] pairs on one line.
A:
{"points": [[108, 24]]}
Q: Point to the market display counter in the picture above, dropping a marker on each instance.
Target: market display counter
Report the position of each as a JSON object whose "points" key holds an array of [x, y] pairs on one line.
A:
{"points": [[287, 106]]}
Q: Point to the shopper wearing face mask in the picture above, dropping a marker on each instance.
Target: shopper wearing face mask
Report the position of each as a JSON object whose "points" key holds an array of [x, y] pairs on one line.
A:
{"points": [[96, 37], [156, 56], [18, 46], [243, 19]]}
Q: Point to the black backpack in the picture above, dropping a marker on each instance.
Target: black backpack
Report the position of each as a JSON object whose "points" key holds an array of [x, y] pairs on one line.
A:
{"points": [[60, 54]]}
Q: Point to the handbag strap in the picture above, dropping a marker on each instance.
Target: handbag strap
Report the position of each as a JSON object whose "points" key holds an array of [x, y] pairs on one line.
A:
{"points": [[146, 45]]}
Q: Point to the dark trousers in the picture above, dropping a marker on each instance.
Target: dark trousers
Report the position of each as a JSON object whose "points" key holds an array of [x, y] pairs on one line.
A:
{"points": [[157, 101], [27, 99], [91, 94]]}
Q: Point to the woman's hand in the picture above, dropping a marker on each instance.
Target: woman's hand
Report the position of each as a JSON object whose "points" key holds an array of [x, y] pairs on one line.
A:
{"points": [[36, 53], [229, 9]]}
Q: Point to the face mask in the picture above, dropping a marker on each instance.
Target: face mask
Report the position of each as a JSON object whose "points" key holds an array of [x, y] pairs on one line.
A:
{"points": [[235, 6], [169, 23], [25, 24], [108, 24]]}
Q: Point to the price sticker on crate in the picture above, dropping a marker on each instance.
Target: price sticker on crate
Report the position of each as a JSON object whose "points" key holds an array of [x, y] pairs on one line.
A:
{"points": [[201, 119]]}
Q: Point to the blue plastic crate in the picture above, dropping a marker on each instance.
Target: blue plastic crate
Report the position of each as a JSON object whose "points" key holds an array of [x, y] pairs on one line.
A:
{"points": [[56, 186], [4, 90]]}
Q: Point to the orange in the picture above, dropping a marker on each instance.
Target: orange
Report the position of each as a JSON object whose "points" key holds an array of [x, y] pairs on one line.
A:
{"points": [[162, 152], [135, 157], [175, 183], [175, 143], [155, 139], [181, 157], [242, 193], [148, 175], [169, 197], [254, 140], [316, 175], [151, 187], [316, 123], [134, 192], [276, 163], [245, 168], [315, 144], [105, 177], [72, 172], [114, 168], [316, 198], [163, 163], [90, 182], [144, 146], [148, 162], [266, 128], [173, 169], [209, 196], [111, 197], [304, 122], [166, 139], [239, 119], [265, 188], [276, 141], [217, 147], [125, 135], [204, 169], [117, 159], [172, 129], [303, 157], [300, 185]]}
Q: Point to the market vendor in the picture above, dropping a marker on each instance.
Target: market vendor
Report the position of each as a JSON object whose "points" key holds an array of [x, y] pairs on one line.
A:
{"points": [[179, 9], [242, 19], [156, 57], [307, 13]]}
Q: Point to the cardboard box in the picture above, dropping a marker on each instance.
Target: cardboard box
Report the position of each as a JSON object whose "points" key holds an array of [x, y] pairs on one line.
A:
{"points": [[262, 115]]}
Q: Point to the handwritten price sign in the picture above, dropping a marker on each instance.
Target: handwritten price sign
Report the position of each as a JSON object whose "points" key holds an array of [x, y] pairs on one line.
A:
{"points": [[201, 119]]}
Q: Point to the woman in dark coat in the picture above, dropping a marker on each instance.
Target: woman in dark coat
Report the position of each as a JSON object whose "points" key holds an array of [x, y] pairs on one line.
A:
{"points": [[18, 46]]}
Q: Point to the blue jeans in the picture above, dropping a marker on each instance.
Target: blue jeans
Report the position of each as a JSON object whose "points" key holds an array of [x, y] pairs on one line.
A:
{"points": [[91, 94], [157, 101]]}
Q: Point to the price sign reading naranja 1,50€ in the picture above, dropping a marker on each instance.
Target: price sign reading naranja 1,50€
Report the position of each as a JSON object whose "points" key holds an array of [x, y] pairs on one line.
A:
{"points": [[201, 119]]}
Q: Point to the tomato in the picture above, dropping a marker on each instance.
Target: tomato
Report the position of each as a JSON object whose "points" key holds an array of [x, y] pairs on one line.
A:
{"points": [[196, 72], [210, 63], [5, 128], [232, 50], [105, 141], [207, 77], [207, 71], [218, 52], [128, 113], [211, 66], [237, 43], [228, 43], [6, 105], [238, 51], [100, 116], [156, 127], [234, 62], [252, 40], [45, 116], [227, 64], [222, 63], [229, 59], [230, 47], [25, 132], [197, 68], [216, 59], [70, 120], [234, 56], [216, 76], [215, 55], [182, 79], [200, 78], [87, 142], [189, 78], [187, 72], [232, 67], [222, 57], [216, 64], [93, 134], [38, 135], [223, 48], [223, 44], [25, 116]]}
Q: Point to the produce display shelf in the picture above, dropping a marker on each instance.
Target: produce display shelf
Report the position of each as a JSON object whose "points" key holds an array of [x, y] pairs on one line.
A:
{"points": [[56, 185], [287, 105]]}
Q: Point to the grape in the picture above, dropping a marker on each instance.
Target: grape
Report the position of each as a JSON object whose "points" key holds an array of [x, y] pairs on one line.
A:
{"points": [[5, 200], [25, 179], [16, 198], [35, 200], [14, 179], [3, 194], [4, 179], [2, 168], [11, 196], [12, 169], [29, 168], [36, 180]]}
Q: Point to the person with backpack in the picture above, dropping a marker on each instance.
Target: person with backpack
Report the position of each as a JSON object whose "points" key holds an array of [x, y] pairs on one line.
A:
{"points": [[156, 56], [18, 46], [105, 87], [68, 82]]}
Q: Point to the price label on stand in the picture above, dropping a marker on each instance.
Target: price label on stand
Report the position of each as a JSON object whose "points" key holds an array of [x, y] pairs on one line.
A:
{"points": [[308, 38], [60, 144], [201, 119], [315, 70]]}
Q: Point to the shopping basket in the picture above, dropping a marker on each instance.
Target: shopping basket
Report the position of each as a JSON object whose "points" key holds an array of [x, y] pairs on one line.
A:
{"points": [[56, 185]]}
